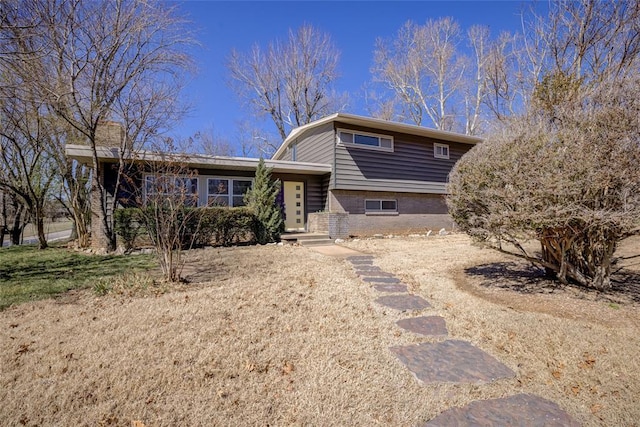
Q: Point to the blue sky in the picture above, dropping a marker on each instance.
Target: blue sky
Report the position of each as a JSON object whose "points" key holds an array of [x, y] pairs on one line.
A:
{"points": [[353, 26]]}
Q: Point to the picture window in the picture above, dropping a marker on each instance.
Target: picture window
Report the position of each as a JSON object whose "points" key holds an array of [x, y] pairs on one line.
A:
{"points": [[184, 188], [227, 191]]}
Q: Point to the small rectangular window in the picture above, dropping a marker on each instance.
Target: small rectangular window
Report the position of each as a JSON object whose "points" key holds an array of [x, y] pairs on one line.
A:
{"points": [[380, 205], [294, 152], [440, 151], [366, 140]]}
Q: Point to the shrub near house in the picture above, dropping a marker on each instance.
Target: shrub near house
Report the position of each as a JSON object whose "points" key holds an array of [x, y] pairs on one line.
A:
{"points": [[205, 226]]}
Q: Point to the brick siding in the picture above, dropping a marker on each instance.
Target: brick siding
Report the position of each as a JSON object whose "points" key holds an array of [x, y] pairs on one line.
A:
{"points": [[417, 213]]}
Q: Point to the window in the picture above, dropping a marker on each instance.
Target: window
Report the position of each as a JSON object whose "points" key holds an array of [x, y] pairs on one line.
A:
{"points": [[293, 148], [440, 151], [227, 191], [368, 140], [165, 186], [381, 206]]}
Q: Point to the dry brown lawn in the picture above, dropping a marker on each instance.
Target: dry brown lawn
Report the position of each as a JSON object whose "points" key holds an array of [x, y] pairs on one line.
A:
{"points": [[287, 336]]}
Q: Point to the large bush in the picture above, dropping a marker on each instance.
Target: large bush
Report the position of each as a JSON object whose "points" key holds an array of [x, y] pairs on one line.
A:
{"points": [[202, 226], [566, 174]]}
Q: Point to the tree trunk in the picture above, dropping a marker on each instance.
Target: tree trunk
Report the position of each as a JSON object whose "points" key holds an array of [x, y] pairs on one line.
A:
{"points": [[106, 227], [579, 257], [3, 227], [74, 231], [80, 231], [602, 278], [42, 238], [18, 225]]}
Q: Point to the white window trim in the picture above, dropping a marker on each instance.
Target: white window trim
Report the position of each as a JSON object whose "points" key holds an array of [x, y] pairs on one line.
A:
{"points": [[435, 151], [366, 147], [380, 211], [229, 194]]}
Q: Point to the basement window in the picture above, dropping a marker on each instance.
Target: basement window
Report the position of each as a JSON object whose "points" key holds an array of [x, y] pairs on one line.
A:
{"points": [[373, 206], [365, 140]]}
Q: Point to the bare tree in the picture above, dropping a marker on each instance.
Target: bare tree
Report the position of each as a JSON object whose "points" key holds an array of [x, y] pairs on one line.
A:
{"points": [[167, 207], [500, 94], [26, 169], [254, 141], [101, 61], [423, 68], [75, 189], [596, 40], [290, 81], [14, 217], [212, 143], [475, 81], [590, 40], [380, 104]]}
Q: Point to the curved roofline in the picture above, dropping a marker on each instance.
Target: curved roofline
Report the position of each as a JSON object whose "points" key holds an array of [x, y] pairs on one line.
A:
{"points": [[378, 124]]}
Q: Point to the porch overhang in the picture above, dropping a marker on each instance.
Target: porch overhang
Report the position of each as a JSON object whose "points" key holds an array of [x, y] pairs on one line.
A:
{"points": [[84, 154]]}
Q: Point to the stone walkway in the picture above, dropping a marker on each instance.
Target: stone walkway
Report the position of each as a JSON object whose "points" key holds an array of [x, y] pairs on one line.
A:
{"points": [[454, 361]]}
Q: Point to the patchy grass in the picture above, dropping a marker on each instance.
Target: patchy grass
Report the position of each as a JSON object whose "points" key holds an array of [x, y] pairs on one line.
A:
{"points": [[29, 274], [286, 336]]}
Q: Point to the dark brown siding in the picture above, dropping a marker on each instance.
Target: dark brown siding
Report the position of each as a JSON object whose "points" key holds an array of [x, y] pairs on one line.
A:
{"points": [[411, 166], [316, 194]]}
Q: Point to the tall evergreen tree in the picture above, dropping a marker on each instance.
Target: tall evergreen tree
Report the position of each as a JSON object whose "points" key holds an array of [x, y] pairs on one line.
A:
{"points": [[262, 200]]}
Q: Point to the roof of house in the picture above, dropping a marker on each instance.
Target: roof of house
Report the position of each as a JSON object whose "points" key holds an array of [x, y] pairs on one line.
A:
{"points": [[84, 154], [383, 125]]}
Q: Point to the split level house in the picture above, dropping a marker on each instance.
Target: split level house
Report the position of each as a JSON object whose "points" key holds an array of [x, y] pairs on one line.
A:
{"points": [[342, 175]]}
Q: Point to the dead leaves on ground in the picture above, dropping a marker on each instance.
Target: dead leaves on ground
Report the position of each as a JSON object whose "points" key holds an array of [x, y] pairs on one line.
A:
{"points": [[286, 369], [588, 362]]}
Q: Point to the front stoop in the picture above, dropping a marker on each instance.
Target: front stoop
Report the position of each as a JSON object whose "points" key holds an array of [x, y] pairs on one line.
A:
{"points": [[307, 239]]}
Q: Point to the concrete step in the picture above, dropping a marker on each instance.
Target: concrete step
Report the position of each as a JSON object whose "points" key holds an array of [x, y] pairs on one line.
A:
{"points": [[307, 239], [311, 236], [322, 241]]}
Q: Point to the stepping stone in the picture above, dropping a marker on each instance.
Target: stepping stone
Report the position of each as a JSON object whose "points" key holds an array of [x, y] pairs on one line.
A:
{"points": [[362, 262], [452, 361], [359, 257], [372, 268], [403, 302], [370, 273], [381, 279], [428, 325], [518, 410], [391, 288]]}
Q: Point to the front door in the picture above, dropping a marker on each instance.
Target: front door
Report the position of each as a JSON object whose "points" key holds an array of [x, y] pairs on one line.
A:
{"points": [[294, 206]]}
